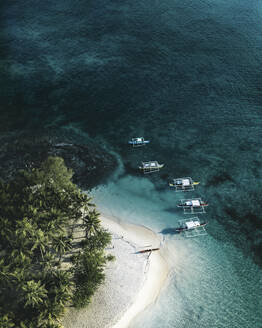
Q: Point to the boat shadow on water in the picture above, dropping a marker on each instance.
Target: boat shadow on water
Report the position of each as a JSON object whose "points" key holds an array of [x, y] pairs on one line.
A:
{"points": [[169, 231], [129, 169], [171, 210]]}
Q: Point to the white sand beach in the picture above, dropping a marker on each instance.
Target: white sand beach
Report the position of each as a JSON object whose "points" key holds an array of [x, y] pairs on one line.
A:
{"points": [[133, 281]]}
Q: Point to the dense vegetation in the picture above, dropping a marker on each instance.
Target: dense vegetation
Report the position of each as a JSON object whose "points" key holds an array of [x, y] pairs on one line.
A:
{"points": [[51, 247]]}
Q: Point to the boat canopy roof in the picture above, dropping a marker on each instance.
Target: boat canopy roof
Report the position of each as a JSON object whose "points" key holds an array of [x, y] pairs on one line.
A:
{"points": [[192, 205], [192, 227], [192, 224], [138, 139], [150, 164], [183, 184], [186, 182], [196, 202]]}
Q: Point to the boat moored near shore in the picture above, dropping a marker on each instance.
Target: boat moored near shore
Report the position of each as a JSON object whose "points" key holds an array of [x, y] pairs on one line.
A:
{"points": [[192, 227], [196, 205], [183, 184], [149, 250]]}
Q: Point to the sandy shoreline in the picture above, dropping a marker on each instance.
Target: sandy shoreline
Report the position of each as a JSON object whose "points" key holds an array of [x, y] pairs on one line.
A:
{"points": [[133, 280]]}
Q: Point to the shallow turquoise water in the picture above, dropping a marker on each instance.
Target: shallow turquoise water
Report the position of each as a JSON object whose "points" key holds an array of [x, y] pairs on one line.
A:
{"points": [[187, 75], [211, 283]]}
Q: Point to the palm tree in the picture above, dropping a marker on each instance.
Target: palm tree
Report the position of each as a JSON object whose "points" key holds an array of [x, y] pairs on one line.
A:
{"points": [[49, 317], [5, 272], [63, 294], [57, 217], [48, 262], [24, 234], [41, 241], [21, 258], [6, 322], [62, 244], [33, 293], [5, 231], [18, 276], [27, 324], [87, 201], [98, 241], [91, 223]]}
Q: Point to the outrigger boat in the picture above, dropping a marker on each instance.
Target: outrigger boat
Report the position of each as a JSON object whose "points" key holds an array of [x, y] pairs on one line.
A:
{"points": [[140, 141], [192, 203], [192, 227], [183, 184], [190, 206], [148, 250], [150, 167]]}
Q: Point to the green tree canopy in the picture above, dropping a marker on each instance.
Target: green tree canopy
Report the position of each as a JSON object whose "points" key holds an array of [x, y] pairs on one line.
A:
{"points": [[39, 210]]}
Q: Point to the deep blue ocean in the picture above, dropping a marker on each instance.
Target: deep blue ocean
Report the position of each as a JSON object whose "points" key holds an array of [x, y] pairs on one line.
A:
{"points": [[188, 76]]}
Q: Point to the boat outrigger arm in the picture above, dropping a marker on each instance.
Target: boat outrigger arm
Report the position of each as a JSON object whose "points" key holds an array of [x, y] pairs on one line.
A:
{"points": [[140, 141], [183, 184]]}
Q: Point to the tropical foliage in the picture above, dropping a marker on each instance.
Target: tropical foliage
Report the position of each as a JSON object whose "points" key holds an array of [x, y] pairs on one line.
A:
{"points": [[43, 266]]}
